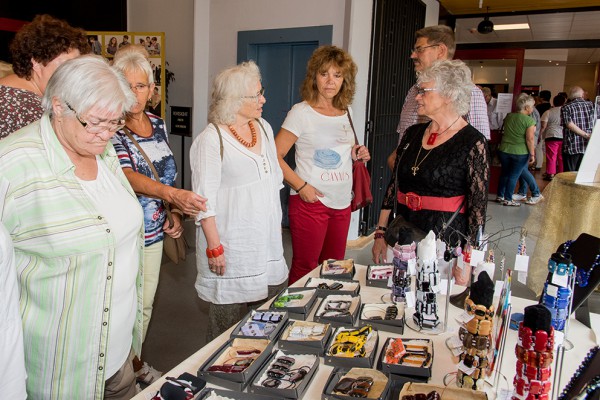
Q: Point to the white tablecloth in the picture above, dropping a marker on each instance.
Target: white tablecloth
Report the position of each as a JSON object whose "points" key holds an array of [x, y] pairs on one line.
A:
{"points": [[582, 337]]}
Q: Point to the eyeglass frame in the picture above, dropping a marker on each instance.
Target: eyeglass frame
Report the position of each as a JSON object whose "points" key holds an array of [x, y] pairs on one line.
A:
{"points": [[138, 88], [421, 49], [421, 91], [104, 128], [257, 96]]}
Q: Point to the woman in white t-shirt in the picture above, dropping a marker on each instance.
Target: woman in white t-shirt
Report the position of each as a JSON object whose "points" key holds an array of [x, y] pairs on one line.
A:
{"points": [[320, 129]]}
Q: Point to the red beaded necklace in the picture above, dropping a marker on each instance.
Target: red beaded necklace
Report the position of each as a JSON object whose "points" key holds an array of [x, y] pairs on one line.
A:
{"points": [[242, 141]]}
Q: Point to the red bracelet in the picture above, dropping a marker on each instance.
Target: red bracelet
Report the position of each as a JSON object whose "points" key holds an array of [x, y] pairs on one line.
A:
{"points": [[216, 252]]}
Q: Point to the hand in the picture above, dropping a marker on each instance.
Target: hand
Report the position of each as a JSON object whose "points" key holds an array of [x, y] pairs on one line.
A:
{"points": [[189, 202], [379, 251], [310, 194], [363, 153], [176, 230], [217, 265], [531, 158]]}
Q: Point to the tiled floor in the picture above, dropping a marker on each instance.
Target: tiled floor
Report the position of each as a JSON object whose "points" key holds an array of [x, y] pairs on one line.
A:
{"points": [[178, 325]]}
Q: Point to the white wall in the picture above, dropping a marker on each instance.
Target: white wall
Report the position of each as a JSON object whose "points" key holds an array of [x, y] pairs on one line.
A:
{"points": [[176, 19], [549, 78]]}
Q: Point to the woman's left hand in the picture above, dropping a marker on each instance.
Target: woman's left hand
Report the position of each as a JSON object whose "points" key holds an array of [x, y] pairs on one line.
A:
{"points": [[360, 152], [177, 229]]}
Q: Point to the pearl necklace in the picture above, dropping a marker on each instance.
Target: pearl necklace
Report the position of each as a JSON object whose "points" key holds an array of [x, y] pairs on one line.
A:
{"points": [[239, 138]]}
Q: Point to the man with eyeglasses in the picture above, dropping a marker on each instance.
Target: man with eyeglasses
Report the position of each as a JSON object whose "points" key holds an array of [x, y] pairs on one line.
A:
{"points": [[435, 43]]}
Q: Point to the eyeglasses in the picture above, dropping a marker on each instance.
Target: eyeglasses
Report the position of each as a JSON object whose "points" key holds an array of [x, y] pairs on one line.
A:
{"points": [[421, 49], [261, 92], [98, 127], [140, 87], [421, 91]]}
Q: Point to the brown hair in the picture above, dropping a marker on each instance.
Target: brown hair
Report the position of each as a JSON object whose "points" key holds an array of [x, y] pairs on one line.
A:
{"points": [[321, 59], [439, 34], [44, 39]]}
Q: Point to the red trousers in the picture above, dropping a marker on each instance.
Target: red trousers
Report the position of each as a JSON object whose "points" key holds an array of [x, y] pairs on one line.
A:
{"points": [[318, 233], [554, 161]]}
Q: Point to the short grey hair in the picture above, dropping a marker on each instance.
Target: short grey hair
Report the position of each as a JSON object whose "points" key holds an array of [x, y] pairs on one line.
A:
{"points": [[228, 90], [132, 48], [523, 101], [86, 82], [452, 80], [575, 92], [133, 61], [486, 91]]}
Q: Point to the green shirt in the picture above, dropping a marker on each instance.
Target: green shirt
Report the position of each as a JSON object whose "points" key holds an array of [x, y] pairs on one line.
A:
{"points": [[64, 255], [513, 139]]}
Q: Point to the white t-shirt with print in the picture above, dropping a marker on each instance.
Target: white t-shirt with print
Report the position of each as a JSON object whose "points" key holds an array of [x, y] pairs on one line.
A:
{"points": [[323, 152]]}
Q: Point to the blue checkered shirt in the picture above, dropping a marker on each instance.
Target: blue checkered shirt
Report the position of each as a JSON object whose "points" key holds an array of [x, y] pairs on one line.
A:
{"points": [[581, 113]]}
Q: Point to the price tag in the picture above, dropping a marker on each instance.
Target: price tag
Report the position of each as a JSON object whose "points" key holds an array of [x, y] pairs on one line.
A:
{"points": [[410, 299], [454, 342], [560, 280], [444, 286], [464, 317], [522, 277], [460, 262], [465, 369], [521, 263], [476, 257], [390, 281], [440, 248], [436, 289], [559, 337], [498, 288], [457, 351], [412, 266], [552, 290]]}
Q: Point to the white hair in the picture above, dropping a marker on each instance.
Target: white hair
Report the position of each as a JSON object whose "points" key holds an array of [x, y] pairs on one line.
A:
{"points": [[86, 82], [228, 90], [523, 101], [452, 80], [133, 61]]}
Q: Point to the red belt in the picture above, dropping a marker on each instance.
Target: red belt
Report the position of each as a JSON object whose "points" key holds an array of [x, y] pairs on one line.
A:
{"points": [[446, 204]]}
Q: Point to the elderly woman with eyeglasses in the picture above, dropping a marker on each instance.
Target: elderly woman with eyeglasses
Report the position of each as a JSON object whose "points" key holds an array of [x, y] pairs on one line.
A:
{"points": [[239, 251], [149, 132], [441, 166], [78, 231]]}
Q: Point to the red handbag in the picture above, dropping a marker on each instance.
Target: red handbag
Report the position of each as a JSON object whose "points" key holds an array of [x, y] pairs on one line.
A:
{"points": [[361, 180]]}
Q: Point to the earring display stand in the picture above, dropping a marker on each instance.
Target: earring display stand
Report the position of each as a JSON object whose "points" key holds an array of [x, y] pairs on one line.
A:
{"points": [[583, 253], [442, 327]]}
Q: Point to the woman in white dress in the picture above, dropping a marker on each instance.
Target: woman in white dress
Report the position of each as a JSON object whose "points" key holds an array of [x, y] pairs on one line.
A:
{"points": [[239, 251]]}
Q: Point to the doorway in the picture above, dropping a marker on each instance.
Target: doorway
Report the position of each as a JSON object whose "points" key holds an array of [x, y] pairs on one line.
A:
{"points": [[282, 55]]}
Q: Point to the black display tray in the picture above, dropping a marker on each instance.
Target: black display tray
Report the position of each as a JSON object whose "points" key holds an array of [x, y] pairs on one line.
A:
{"points": [[395, 369], [350, 362], [380, 283], [343, 276], [346, 289], [339, 321], [297, 312], [392, 325], [338, 373], [303, 346], [237, 331]]}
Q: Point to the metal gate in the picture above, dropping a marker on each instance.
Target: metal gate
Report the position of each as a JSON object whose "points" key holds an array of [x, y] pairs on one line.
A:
{"points": [[391, 74]]}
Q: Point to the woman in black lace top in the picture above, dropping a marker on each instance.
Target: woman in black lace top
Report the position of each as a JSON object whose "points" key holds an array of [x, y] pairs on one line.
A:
{"points": [[439, 164]]}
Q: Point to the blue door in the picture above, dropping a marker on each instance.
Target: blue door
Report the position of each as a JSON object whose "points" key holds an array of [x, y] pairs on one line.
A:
{"points": [[281, 55]]}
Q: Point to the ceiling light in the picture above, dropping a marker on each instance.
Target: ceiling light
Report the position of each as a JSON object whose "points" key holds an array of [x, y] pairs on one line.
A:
{"points": [[486, 26], [508, 27]]}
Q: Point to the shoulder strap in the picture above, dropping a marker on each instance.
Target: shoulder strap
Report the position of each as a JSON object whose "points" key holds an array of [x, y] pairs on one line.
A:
{"points": [[262, 127], [352, 125], [220, 140], [151, 165]]}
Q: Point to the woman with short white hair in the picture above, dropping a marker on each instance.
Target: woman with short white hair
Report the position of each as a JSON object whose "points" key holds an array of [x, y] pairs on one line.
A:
{"points": [[441, 166], [239, 251], [77, 230]]}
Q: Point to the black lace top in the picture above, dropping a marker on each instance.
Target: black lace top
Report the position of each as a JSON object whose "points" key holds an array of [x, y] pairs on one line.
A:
{"points": [[457, 167]]}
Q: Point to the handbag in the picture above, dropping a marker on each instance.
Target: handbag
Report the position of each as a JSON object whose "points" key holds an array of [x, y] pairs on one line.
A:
{"points": [[175, 249], [361, 180]]}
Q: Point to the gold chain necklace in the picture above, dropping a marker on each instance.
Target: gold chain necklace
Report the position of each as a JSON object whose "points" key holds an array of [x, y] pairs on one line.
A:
{"points": [[415, 167]]}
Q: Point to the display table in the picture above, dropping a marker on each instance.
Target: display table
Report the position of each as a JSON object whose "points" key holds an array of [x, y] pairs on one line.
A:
{"points": [[442, 363], [568, 210]]}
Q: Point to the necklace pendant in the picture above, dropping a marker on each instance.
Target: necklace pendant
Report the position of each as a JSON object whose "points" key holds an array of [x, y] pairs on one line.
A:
{"points": [[432, 137], [414, 170]]}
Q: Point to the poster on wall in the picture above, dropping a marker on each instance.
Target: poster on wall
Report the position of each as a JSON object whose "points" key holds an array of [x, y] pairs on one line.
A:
{"points": [[107, 44]]}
